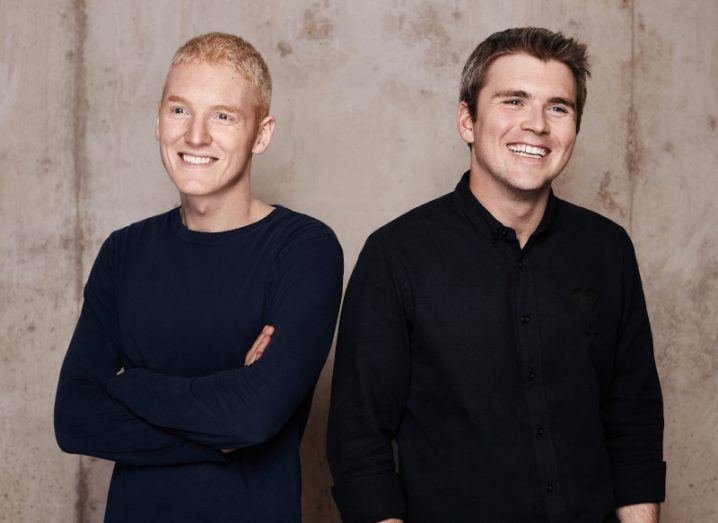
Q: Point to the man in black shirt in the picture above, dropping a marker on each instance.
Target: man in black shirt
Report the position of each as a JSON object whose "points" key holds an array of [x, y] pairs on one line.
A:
{"points": [[499, 334]]}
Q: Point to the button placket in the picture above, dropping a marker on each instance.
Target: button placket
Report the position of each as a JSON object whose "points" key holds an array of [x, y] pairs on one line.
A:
{"points": [[530, 350]]}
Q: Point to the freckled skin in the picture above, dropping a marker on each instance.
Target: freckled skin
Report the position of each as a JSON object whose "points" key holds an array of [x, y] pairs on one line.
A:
{"points": [[200, 124]]}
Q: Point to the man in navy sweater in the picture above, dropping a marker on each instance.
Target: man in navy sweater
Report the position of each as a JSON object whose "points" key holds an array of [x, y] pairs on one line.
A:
{"points": [[167, 373]]}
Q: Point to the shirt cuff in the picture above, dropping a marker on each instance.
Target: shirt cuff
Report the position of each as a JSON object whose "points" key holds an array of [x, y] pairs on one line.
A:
{"points": [[371, 499], [639, 483]]}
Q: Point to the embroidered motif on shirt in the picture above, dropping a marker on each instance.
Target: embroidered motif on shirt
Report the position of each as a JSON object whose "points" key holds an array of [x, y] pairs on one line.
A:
{"points": [[586, 300]]}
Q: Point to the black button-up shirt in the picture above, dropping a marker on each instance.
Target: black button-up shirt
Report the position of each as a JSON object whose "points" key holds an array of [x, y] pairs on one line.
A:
{"points": [[519, 384]]}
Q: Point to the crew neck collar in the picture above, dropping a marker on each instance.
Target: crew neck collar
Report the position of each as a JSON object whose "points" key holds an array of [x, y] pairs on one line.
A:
{"points": [[218, 237]]}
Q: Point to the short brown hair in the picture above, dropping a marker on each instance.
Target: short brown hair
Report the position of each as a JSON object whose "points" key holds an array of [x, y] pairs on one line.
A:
{"points": [[534, 41], [226, 49]]}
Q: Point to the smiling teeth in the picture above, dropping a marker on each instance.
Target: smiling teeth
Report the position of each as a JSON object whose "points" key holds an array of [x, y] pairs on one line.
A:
{"points": [[528, 150], [197, 160]]}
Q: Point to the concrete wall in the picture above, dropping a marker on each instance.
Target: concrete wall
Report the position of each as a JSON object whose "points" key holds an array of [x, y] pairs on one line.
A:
{"points": [[365, 98]]}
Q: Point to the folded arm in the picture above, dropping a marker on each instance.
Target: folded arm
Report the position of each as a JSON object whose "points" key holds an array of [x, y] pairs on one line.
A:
{"points": [[245, 406], [87, 420]]}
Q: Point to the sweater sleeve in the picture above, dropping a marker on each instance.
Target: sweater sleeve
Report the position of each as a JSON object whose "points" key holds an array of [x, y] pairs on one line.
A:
{"points": [[369, 391], [87, 420], [633, 413], [245, 406]]}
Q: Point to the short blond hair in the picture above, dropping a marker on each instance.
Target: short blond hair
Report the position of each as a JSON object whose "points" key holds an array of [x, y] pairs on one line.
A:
{"points": [[226, 49]]}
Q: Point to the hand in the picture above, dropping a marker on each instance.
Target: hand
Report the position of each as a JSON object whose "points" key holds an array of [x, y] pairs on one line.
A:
{"points": [[641, 513], [392, 520], [254, 353], [259, 345]]}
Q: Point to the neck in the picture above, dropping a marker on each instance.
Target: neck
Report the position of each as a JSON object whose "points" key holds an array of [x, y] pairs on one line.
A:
{"points": [[217, 213], [520, 210]]}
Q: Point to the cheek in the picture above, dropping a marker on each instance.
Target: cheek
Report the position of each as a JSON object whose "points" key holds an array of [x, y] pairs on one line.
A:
{"points": [[567, 140], [238, 145], [169, 132], [564, 129], [498, 126]]}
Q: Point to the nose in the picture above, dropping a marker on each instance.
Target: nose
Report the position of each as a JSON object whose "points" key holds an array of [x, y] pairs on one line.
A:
{"points": [[197, 133], [535, 120]]}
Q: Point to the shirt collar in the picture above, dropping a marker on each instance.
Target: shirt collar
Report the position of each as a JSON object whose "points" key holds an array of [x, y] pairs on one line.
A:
{"points": [[484, 221]]}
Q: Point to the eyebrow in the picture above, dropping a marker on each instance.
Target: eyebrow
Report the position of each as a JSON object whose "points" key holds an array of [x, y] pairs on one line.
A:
{"points": [[559, 100], [524, 94], [223, 108]]}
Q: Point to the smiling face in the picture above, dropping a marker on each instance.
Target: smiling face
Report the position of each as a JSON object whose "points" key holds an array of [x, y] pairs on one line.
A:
{"points": [[207, 129], [525, 126]]}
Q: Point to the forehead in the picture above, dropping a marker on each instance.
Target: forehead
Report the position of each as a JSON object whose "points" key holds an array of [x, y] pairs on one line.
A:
{"points": [[208, 82], [523, 72]]}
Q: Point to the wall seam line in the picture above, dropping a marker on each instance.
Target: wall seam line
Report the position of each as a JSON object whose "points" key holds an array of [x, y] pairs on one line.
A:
{"points": [[79, 171], [633, 152]]}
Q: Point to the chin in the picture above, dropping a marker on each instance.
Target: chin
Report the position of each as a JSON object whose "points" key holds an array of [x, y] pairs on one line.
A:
{"points": [[189, 187], [528, 186]]}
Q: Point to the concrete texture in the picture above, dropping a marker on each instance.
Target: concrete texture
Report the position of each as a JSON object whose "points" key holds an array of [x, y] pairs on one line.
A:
{"points": [[365, 98], [39, 252]]}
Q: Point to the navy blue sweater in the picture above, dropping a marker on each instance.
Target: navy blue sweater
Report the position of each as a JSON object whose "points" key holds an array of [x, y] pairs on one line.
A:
{"points": [[179, 309]]}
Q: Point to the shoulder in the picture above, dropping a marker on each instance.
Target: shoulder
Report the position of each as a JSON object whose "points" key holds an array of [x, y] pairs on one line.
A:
{"points": [[142, 230], [591, 225], [427, 219], [294, 225], [292, 230], [595, 235]]}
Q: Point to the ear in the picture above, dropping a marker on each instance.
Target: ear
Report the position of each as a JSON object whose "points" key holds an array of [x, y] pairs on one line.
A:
{"points": [[157, 122], [265, 132], [465, 123]]}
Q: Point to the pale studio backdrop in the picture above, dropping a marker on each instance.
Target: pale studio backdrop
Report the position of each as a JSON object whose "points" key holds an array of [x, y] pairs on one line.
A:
{"points": [[365, 100]]}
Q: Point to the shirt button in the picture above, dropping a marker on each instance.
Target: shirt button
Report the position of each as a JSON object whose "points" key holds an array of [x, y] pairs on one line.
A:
{"points": [[521, 265], [532, 374], [549, 487], [504, 232], [540, 431], [525, 319]]}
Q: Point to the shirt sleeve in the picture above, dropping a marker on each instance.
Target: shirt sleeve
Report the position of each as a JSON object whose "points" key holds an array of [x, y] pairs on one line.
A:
{"points": [[369, 391], [245, 406], [87, 420], [633, 412]]}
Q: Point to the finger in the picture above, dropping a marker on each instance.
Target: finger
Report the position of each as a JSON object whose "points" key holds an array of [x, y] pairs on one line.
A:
{"points": [[262, 345], [264, 342], [249, 357], [260, 348], [257, 340]]}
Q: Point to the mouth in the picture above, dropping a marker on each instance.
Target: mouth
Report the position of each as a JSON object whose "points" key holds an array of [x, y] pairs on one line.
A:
{"points": [[528, 151], [196, 160]]}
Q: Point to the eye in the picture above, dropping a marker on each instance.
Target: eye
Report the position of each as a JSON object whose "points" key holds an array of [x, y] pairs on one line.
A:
{"points": [[177, 110], [558, 109], [513, 101], [224, 117]]}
